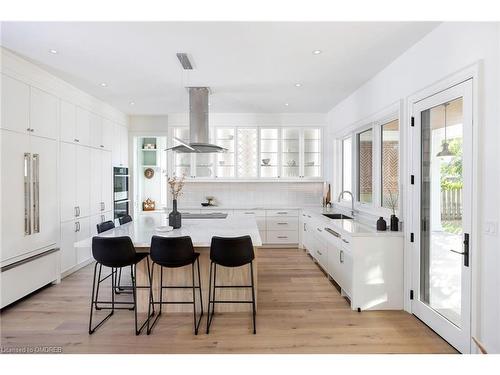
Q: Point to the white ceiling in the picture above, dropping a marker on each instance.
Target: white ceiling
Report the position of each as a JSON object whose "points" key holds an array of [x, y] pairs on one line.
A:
{"points": [[251, 67]]}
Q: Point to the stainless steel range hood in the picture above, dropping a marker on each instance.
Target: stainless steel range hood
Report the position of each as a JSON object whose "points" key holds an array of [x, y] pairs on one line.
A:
{"points": [[198, 125]]}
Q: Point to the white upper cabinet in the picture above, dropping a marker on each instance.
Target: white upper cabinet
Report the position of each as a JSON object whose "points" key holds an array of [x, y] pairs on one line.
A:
{"points": [[95, 131], [15, 105], [107, 134], [82, 130], [268, 153], [124, 146], [106, 181], [44, 114], [68, 122], [67, 168], [120, 146]]}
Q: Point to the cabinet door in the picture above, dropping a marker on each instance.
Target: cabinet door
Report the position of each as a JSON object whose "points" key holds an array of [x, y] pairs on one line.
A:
{"points": [[12, 234], [116, 146], [95, 131], [67, 167], [15, 104], [83, 253], [124, 146], [290, 153], [68, 122], [107, 134], [82, 126], [312, 153], [82, 180], [106, 181], [68, 239], [45, 192], [95, 181], [44, 114]]}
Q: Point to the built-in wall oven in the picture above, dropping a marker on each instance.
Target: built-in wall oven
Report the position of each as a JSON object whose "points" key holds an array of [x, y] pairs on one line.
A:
{"points": [[121, 194]]}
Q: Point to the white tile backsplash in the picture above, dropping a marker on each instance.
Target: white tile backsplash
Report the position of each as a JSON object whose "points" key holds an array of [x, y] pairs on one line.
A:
{"points": [[252, 194]]}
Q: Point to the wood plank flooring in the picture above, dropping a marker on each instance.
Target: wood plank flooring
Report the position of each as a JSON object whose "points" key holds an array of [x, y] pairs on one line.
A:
{"points": [[300, 311]]}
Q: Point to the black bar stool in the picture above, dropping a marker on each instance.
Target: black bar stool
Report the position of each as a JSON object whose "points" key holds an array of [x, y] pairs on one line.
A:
{"points": [[174, 252], [116, 252], [230, 252], [104, 226], [125, 219]]}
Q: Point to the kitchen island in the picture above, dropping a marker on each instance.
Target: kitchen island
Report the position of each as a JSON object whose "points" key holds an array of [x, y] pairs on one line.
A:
{"points": [[201, 232]]}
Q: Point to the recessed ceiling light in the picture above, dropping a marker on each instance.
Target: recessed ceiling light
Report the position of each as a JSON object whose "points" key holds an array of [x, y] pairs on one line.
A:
{"points": [[132, 103], [53, 51], [103, 84], [286, 104], [317, 51], [298, 84]]}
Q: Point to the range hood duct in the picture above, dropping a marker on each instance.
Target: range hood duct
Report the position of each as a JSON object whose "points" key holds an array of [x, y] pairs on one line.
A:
{"points": [[198, 124]]}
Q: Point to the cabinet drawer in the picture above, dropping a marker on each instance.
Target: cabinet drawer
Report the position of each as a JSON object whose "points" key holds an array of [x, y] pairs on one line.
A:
{"points": [[258, 213], [282, 237], [285, 223], [279, 213], [25, 278]]}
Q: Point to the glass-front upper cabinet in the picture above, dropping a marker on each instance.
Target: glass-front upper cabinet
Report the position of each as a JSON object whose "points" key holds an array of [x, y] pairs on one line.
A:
{"points": [[290, 153], [301, 153], [225, 161], [247, 152], [181, 162], [269, 152], [312, 153]]}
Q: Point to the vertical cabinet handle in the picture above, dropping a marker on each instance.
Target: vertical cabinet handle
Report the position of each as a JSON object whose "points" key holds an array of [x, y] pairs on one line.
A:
{"points": [[27, 193], [341, 256], [36, 193], [77, 226], [102, 218]]}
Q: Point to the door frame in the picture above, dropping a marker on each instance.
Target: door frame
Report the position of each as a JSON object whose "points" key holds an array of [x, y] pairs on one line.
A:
{"points": [[471, 72]]}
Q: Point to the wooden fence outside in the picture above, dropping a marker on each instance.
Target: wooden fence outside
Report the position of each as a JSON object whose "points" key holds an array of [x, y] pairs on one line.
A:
{"points": [[451, 204]]}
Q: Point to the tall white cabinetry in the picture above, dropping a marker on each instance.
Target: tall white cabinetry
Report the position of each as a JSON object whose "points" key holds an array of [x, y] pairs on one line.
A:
{"points": [[86, 181], [28, 177]]}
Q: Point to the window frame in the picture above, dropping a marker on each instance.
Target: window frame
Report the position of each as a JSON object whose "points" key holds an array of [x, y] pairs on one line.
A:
{"points": [[381, 124], [374, 122]]}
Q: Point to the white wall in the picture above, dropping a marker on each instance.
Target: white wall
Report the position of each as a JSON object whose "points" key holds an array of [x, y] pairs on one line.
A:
{"points": [[449, 48]]}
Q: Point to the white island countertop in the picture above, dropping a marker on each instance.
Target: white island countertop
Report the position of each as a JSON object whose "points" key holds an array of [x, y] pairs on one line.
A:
{"points": [[201, 231]]}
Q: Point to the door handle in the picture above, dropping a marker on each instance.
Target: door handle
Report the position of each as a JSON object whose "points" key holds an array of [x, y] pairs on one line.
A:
{"points": [[27, 194], [36, 193], [465, 253], [341, 256]]}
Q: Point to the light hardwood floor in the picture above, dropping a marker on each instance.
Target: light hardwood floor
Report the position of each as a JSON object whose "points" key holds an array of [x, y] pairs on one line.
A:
{"points": [[300, 311]]}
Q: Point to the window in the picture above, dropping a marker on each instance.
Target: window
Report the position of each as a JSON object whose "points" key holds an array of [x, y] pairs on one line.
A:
{"points": [[390, 164], [347, 164], [365, 166]]}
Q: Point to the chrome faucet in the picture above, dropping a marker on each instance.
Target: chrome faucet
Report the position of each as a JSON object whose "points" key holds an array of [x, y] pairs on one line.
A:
{"points": [[352, 200]]}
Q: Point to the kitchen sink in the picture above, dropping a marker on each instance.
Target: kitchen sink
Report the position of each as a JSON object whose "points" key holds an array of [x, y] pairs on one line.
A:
{"points": [[337, 216]]}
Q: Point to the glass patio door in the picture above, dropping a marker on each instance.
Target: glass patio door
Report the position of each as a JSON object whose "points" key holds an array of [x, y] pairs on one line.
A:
{"points": [[442, 190]]}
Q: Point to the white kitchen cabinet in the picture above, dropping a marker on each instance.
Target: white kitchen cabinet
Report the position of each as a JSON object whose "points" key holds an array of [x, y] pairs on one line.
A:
{"points": [[120, 146], [82, 180], [15, 105], [106, 181], [73, 257], [82, 129], [29, 194], [44, 114], [95, 124], [101, 181], [67, 168], [75, 181], [282, 227], [301, 153], [68, 122], [107, 134]]}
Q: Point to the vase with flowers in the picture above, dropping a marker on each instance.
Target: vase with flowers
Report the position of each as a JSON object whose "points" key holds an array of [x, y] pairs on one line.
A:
{"points": [[175, 184]]}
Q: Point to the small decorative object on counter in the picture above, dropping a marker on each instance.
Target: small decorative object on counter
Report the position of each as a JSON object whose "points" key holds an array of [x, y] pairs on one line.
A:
{"points": [[176, 185], [381, 224], [394, 223], [210, 201], [148, 205], [393, 202]]}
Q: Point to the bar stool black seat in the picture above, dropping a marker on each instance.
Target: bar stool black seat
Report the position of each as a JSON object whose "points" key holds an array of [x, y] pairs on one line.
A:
{"points": [[125, 219], [116, 252], [230, 252], [174, 252]]}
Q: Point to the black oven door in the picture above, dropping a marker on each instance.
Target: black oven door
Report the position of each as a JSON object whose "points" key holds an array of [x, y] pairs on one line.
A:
{"points": [[121, 208], [121, 179]]}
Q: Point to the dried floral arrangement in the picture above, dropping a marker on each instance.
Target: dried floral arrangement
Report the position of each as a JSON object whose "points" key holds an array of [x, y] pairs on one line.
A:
{"points": [[393, 201], [176, 184]]}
